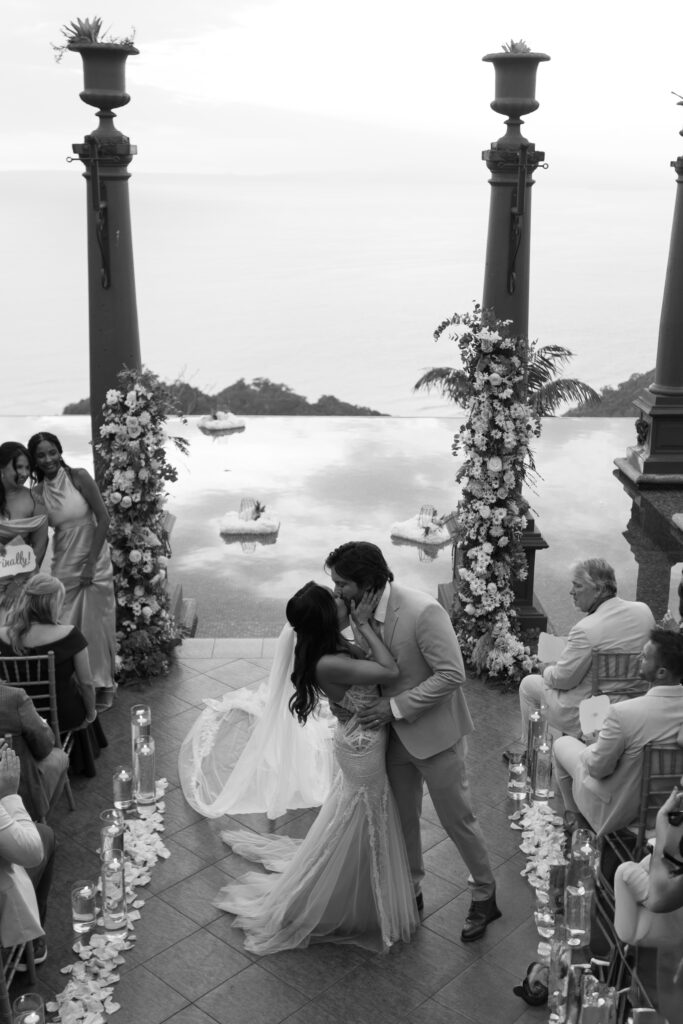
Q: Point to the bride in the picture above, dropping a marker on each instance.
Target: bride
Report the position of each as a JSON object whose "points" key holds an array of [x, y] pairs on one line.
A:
{"points": [[348, 880]]}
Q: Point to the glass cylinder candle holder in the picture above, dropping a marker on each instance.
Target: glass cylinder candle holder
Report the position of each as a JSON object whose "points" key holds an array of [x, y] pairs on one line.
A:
{"points": [[542, 774], [558, 976], [29, 1008], [145, 783], [111, 830], [537, 732], [516, 776], [83, 915], [584, 859], [577, 907], [122, 779], [140, 724], [114, 893]]}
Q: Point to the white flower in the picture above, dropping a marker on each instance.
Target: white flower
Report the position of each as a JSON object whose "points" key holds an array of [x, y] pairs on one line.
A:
{"points": [[495, 464], [115, 497], [113, 396], [126, 502], [135, 556], [131, 399], [495, 380]]}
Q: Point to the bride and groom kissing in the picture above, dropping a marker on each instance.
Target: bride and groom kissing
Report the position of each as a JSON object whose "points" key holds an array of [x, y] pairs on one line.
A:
{"points": [[402, 721]]}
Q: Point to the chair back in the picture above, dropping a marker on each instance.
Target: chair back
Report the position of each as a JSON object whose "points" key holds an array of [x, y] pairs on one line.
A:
{"points": [[615, 673], [35, 673], [662, 770]]}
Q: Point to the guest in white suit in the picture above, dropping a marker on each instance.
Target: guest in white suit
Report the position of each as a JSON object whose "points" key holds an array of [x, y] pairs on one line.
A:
{"points": [[426, 708], [602, 781], [611, 624]]}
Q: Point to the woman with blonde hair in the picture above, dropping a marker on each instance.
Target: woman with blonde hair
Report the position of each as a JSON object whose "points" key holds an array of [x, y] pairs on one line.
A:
{"points": [[34, 627]]}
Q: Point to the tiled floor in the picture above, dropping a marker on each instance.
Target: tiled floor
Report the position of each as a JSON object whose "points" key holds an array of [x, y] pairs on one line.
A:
{"points": [[188, 965]]}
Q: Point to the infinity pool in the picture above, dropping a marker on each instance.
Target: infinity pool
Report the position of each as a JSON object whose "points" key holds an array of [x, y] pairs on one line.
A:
{"points": [[332, 479]]}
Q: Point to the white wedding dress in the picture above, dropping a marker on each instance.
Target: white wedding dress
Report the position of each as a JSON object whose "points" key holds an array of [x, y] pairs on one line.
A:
{"points": [[247, 754], [348, 881]]}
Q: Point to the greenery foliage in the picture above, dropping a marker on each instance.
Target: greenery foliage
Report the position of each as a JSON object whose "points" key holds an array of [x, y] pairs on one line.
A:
{"points": [[492, 514], [260, 397], [135, 472]]}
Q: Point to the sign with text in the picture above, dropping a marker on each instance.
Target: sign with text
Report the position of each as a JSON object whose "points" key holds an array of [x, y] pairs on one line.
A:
{"points": [[17, 558]]}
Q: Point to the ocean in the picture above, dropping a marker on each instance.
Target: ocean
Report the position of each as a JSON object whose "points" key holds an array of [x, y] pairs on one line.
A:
{"points": [[330, 284]]}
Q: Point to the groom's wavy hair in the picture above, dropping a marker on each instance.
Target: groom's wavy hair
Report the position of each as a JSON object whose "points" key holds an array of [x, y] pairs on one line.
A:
{"points": [[312, 614], [361, 562]]}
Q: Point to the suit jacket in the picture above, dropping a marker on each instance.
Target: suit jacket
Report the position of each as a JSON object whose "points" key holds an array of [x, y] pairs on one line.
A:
{"points": [[428, 691], [616, 625], [20, 848], [32, 739], [607, 778]]}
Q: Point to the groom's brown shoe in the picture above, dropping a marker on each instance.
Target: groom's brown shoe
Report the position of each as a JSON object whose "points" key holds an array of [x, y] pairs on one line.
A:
{"points": [[480, 915]]}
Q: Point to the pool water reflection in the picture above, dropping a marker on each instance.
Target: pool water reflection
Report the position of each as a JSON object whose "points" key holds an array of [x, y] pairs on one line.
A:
{"points": [[333, 479]]}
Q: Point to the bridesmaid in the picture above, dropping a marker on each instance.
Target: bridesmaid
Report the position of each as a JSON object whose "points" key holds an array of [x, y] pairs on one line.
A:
{"points": [[80, 558], [22, 519]]}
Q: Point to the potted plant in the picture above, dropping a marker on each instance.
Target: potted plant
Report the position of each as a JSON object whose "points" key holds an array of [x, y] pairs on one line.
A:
{"points": [[515, 66], [104, 61]]}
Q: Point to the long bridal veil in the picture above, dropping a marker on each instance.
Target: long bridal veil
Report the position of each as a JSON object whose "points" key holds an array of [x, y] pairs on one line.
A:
{"points": [[247, 754]]}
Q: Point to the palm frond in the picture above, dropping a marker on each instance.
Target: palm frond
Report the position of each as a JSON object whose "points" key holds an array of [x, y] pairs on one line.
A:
{"points": [[548, 398]]}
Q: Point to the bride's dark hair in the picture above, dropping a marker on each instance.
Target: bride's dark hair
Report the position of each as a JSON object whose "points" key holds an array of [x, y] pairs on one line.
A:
{"points": [[312, 614]]}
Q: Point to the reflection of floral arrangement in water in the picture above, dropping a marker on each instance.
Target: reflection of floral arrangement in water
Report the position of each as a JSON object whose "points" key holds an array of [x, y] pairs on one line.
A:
{"points": [[135, 470], [492, 513]]}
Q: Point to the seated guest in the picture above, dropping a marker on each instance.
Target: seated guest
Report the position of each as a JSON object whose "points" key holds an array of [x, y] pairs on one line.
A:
{"points": [[33, 627], [602, 781], [43, 766], [26, 861], [610, 624]]}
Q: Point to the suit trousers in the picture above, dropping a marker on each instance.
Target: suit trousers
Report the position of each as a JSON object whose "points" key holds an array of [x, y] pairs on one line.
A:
{"points": [[446, 776]]}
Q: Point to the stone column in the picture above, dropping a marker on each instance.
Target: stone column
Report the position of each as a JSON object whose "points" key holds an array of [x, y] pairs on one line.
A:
{"points": [[106, 154], [512, 159], [657, 457]]}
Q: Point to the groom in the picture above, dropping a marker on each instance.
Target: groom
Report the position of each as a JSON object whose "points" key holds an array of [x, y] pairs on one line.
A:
{"points": [[429, 717]]}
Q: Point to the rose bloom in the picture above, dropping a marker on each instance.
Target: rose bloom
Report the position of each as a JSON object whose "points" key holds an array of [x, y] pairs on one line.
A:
{"points": [[495, 464], [126, 502], [113, 396], [135, 556], [495, 379]]}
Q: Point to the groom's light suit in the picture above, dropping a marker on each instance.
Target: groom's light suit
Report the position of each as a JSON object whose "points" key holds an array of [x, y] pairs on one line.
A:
{"points": [[428, 740]]}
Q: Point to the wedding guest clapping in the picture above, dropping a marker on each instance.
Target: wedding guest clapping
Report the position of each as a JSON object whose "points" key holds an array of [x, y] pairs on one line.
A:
{"points": [[26, 862]]}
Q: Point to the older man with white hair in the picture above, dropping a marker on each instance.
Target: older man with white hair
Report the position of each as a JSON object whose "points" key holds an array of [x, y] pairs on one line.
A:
{"points": [[610, 624]]}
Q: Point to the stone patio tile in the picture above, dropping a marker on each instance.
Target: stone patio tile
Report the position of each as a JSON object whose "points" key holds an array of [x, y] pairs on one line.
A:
{"points": [[166, 706], [532, 1014], [252, 997], [237, 673], [431, 1012], [181, 864], [144, 997], [376, 991], [234, 647], [197, 965], [516, 951], [313, 1013], [191, 1015], [429, 961], [437, 892], [234, 937], [193, 691], [160, 926], [177, 725], [193, 897], [484, 992], [203, 839], [178, 814], [313, 970], [195, 647]]}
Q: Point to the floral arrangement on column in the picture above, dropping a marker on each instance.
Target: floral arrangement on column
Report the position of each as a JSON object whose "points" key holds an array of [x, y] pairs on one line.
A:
{"points": [[135, 471], [492, 514]]}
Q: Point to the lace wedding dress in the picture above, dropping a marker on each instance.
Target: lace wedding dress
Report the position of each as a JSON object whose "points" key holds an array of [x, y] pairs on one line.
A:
{"points": [[247, 754], [348, 880]]}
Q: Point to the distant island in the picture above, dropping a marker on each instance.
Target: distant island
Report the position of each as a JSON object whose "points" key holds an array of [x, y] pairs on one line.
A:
{"points": [[616, 401], [260, 397]]}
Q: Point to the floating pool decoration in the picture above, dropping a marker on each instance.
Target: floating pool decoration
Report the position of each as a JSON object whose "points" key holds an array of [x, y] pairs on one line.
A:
{"points": [[250, 523], [218, 424], [427, 528]]}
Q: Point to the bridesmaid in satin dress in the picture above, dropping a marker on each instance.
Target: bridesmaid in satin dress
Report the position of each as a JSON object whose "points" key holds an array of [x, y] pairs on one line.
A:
{"points": [[22, 519], [81, 559]]}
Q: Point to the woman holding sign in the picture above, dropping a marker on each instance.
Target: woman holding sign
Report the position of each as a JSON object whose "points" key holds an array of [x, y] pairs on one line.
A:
{"points": [[23, 525]]}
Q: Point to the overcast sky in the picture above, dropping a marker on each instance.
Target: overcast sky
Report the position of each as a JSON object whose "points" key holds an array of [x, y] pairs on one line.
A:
{"points": [[254, 86]]}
